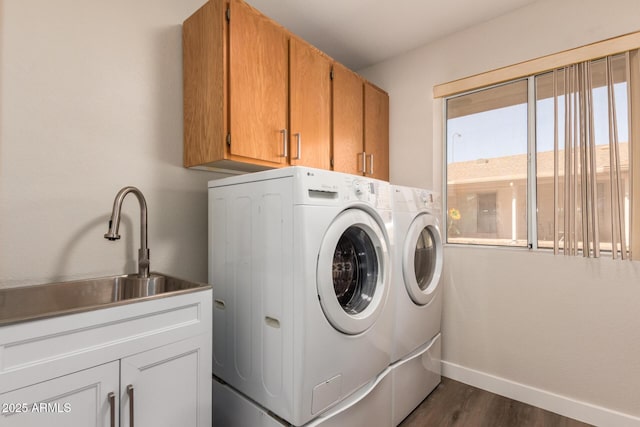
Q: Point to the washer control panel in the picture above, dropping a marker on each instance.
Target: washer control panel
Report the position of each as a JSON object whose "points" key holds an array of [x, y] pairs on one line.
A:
{"points": [[409, 199], [329, 188]]}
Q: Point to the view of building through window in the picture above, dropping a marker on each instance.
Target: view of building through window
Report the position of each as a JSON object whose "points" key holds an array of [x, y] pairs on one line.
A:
{"points": [[487, 161], [487, 166]]}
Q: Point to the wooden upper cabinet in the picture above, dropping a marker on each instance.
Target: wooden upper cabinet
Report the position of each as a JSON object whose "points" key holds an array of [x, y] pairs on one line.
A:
{"points": [[258, 58], [348, 130], [258, 97], [376, 132], [235, 71], [360, 126], [310, 106], [204, 48]]}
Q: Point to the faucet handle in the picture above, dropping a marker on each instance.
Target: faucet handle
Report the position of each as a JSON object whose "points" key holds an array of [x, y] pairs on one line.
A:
{"points": [[143, 262]]}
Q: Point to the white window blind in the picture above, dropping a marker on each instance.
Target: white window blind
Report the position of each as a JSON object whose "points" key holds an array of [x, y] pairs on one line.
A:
{"points": [[591, 180]]}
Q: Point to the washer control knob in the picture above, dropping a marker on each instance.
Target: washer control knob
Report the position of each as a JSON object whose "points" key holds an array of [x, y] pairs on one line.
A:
{"points": [[357, 187], [426, 197]]}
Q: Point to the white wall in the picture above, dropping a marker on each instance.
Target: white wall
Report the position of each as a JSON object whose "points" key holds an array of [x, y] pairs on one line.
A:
{"points": [[90, 102], [563, 333]]}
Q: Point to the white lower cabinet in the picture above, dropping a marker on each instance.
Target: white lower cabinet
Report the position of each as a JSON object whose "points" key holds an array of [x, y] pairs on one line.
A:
{"points": [[78, 399], [160, 388], [149, 366]]}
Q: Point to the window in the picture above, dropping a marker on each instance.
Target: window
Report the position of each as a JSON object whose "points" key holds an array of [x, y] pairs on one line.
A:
{"points": [[543, 161], [487, 166]]}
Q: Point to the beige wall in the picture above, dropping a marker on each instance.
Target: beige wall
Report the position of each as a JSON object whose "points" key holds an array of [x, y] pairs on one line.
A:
{"points": [[91, 101], [560, 325]]}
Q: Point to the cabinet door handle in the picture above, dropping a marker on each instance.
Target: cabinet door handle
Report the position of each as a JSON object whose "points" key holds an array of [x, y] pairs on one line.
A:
{"points": [[130, 393], [371, 164], [364, 162], [112, 408], [284, 143], [299, 144]]}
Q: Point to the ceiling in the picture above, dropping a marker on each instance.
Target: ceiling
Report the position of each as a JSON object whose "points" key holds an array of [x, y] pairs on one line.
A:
{"points": [[360, 33]]}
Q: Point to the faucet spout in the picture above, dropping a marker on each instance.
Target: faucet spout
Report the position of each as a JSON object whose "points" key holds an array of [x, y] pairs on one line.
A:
{"points": [[114, 224]]}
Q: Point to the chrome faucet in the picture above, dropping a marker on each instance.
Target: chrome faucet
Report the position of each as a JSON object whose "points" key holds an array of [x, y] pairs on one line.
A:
{"points": [[114, 224]]}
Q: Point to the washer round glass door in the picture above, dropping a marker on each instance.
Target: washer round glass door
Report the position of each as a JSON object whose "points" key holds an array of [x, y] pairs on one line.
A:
{"points": [[422, 259], [353, 271]]}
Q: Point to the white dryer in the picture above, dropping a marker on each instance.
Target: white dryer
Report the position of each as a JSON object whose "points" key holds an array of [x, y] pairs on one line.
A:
{"points": [[300, 264], [416, 283]]}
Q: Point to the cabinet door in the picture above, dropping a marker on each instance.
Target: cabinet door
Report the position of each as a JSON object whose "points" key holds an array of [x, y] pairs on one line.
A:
{"points": [[310, 109], [78, 399], [258, 59], [347, 120], [168, 386], [376, 132]]}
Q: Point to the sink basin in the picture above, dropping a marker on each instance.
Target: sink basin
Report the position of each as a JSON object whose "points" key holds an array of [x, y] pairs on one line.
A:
{"points": [[54, 299]]}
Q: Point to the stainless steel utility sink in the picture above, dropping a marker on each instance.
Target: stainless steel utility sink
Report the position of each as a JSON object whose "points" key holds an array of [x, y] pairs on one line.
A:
{"points": [[54, 299]]}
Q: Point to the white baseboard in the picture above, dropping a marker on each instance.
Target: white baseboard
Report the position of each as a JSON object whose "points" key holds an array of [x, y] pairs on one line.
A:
{"points": [[562, 405]]}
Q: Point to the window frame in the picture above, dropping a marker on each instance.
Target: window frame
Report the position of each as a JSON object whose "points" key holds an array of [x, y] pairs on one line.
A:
{"points": [[628, 43], [531, 165]]}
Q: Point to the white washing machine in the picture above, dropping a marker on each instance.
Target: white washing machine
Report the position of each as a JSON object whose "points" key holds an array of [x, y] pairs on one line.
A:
{"points": [[416, 284], [300, 264]]}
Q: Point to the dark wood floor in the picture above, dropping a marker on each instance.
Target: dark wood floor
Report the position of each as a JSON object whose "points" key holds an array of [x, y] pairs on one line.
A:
{"points": [[453, 403]]}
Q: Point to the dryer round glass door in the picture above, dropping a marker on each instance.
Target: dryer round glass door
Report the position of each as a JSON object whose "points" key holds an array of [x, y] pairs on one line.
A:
{"points": [[353, 271], [422, 259]]}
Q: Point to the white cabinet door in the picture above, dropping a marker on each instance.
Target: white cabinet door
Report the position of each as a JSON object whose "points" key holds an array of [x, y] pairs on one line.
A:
{"points": [[78, 399], [168, 386]]}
